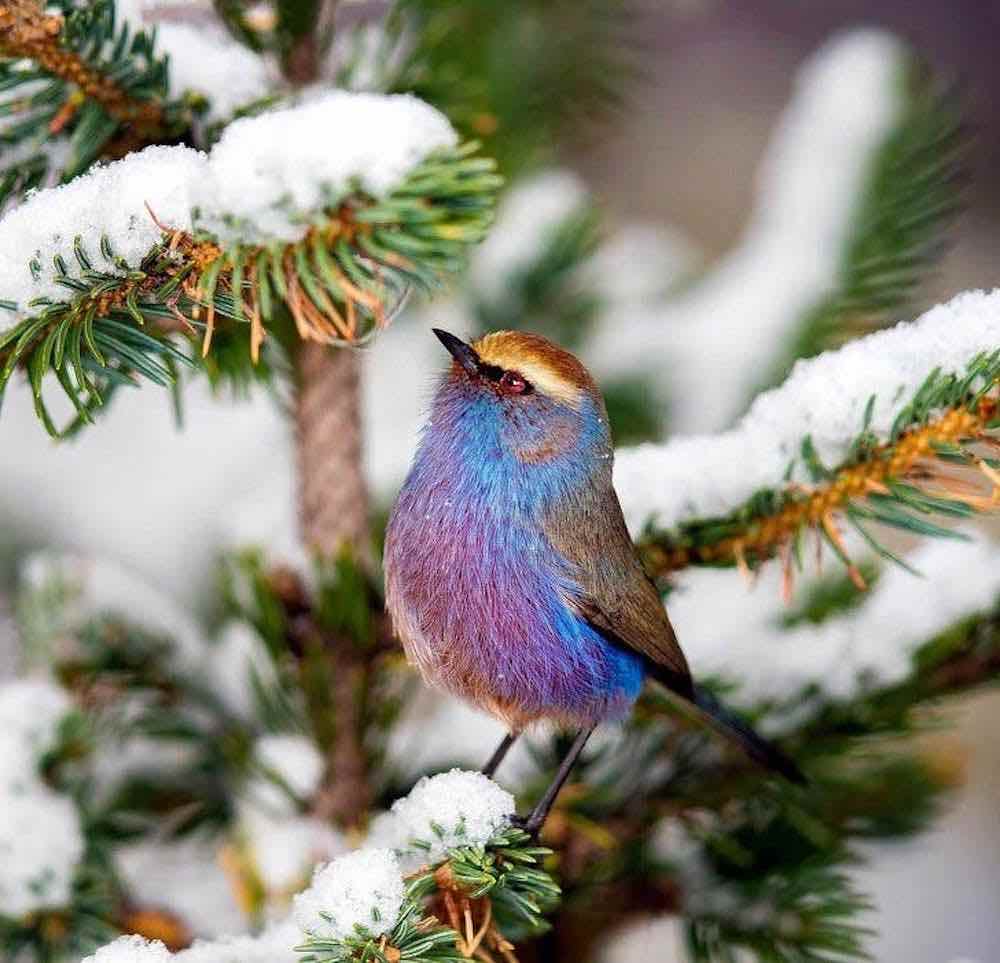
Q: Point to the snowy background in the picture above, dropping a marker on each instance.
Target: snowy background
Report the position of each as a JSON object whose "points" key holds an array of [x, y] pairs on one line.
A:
{"points": [[763, 152]]}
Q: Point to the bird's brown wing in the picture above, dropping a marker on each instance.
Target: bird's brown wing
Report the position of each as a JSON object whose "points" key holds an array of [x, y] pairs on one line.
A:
{"points": [[616, 596]]}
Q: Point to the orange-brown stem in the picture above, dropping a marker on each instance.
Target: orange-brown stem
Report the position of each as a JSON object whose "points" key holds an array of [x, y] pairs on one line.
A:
{"points": [[816, 508], [27, 31]]}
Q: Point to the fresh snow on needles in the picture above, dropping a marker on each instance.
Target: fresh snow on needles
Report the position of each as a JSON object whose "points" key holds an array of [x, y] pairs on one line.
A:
{"points": [[31, 710], [41, 844], [131, 949], [364, 888], [203, 58], [267, 179], [41, 840], [270, 175], [107, 201], [457, 808], [824, 398]]}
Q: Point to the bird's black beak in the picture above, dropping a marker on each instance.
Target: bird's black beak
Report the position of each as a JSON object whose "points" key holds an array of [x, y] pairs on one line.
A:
{"points": [[463, 353]]}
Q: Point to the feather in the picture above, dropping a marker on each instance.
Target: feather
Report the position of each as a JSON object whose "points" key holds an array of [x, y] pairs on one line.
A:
{"points": [[615, 596]]}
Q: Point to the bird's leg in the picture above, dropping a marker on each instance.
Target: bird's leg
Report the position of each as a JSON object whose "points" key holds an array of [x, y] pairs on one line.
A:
{"points": [[540, 813], [498, 756]]}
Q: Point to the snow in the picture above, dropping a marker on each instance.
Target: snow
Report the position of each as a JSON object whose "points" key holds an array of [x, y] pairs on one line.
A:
{"points": [[101, 587], [236, 657], [185, 875], [527, 219], [270, 175], [362, 889], [286, 849], [456, 808], [41, 844], [276, 944], [825, 398], [731, 632], [31, 711], [131, 949], [106, 201], [286, 763], [265, 179], [18, 765], [733, 324], [41, 840], [205, 60]]}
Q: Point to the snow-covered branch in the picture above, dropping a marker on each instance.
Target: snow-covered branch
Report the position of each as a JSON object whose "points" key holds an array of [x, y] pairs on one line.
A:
{"points": [[890, 428], [477, 875], [285, 212]]}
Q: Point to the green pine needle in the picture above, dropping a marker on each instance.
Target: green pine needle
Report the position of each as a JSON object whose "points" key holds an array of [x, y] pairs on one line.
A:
{"points": [[339, 284], [43, 107], [777, 517]]}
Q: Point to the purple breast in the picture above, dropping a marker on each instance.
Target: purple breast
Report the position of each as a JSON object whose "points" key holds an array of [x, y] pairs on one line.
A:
{"points": [[479, 599]]}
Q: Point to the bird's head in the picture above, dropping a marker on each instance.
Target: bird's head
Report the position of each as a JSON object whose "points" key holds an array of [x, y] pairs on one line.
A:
{"points": [[534, 399]]}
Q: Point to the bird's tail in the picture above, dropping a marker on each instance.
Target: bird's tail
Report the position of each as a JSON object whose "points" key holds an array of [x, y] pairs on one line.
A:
{"points": [[735, 727]]}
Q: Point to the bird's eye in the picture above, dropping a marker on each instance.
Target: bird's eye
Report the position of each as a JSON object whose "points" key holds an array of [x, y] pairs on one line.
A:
{"points": [[512, 383]]}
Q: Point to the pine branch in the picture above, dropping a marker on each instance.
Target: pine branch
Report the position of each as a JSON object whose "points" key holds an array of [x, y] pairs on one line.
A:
{"points": [[908, 201], [77, 76], [459, 908], [811, 919], [337, 285], [929, 467], [920, 450]]}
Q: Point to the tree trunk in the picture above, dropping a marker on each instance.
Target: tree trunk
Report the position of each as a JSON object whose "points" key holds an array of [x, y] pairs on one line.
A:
{"points": [[333, 499], [333, 507]]}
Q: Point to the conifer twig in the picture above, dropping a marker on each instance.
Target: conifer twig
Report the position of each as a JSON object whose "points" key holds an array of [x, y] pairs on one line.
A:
{"points": [[26, 30], [913, 458]]}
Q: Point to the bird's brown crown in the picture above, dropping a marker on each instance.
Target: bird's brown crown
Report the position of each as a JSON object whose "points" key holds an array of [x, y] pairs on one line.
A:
{"points": [[548, 367]]}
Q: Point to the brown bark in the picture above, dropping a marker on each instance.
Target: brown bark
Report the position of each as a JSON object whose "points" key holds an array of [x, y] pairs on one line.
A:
{"points": [[333, 505], [345, 795], [333, 500], [333, 513]]}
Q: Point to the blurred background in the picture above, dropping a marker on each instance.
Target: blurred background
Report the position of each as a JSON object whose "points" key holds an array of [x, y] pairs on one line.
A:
{"points": [[691, 163]]}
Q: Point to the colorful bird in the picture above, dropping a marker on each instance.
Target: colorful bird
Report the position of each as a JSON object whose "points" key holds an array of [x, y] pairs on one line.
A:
{"points": [[511, 578]]}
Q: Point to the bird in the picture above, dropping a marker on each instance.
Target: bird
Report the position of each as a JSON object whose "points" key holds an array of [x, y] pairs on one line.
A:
{"points": [[511, 578]]}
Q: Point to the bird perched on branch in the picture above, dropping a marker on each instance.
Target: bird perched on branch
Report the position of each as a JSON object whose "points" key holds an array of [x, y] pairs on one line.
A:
{"points": [[511, 578]]}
